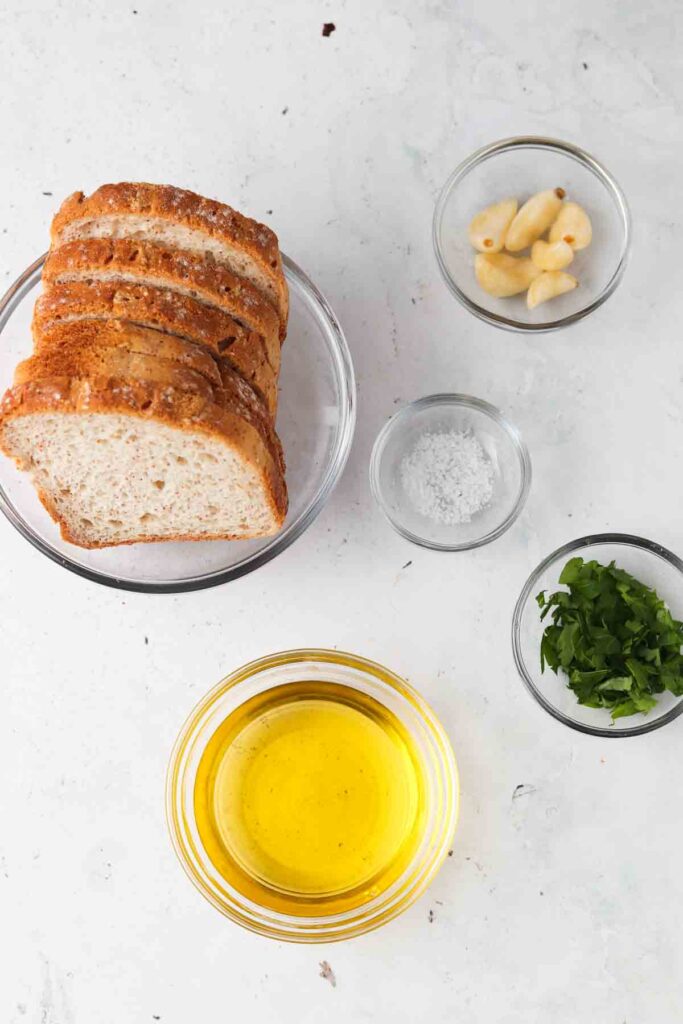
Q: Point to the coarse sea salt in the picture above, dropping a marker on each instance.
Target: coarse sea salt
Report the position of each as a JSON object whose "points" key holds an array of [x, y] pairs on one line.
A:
{"points": [[447, 476]]}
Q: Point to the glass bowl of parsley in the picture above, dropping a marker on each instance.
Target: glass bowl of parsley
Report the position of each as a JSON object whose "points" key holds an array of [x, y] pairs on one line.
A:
{"points": [[597, 635]]}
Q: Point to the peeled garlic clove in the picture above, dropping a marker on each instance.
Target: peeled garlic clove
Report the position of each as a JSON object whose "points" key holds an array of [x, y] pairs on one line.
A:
{"points": [[535, 217], [552, 255], [549, 285], [573, 225], [488, 229], [501, 275]]}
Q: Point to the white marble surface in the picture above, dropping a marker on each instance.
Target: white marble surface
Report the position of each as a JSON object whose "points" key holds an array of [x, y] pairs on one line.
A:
{"points": [[562, 906]]}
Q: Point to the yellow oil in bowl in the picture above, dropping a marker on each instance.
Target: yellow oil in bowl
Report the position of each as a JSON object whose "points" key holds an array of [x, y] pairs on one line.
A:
{"points": [[309, 798]]}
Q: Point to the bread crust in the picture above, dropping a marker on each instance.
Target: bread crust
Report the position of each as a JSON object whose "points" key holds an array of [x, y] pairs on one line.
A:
{"points": [[115, 362], [207, 281], [161, 310], [245, 356], [181, 410], [250, 362], [98, 334], [178, 206], [146, 305]]}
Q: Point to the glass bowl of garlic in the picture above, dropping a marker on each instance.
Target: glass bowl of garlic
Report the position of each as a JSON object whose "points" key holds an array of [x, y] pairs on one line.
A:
{"points": [[531, 234]]}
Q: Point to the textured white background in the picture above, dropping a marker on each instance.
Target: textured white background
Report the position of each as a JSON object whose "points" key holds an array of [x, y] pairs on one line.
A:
{"points": [[563, 906]]}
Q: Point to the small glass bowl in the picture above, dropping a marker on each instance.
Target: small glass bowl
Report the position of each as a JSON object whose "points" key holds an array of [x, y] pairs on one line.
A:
{"points": [[431, 743], [498, 437], [650, 563], [315, 421], [520, 167]]}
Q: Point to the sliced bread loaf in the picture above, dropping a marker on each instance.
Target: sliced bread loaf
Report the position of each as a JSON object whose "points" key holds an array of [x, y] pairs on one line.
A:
{"points": [[178, 219], [120, 462]]}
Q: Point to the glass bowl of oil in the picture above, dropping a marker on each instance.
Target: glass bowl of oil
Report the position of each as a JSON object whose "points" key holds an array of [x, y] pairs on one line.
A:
{"points": [[312, 796]]}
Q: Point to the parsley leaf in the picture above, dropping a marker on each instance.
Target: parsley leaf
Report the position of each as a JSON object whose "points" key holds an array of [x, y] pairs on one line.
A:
{"points": [[613, 638]]}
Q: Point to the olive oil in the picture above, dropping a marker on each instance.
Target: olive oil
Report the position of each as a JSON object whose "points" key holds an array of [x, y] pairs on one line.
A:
{"points": [[308, 798]]}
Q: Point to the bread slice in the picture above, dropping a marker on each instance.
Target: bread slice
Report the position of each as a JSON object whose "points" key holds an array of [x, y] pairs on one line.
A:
{"points": [[116, 361], [178, 219], [59, 340], [231, 392], [148, 306], [112, 362], [89, 334], [137, 261], [128, 461]]}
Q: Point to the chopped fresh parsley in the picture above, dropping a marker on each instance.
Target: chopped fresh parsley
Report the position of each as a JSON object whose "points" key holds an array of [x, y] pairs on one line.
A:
{"points": [[613, 637]]}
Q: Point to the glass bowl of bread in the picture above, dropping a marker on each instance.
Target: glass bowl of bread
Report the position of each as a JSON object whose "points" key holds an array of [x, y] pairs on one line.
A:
{"points": [[148, 414]]}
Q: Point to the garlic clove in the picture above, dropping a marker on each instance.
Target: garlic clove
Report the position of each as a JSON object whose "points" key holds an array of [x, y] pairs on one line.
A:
{"points": [[501, 275], [550, 284], [573, 225], [535, 217], [488, 228], [552, 255]]}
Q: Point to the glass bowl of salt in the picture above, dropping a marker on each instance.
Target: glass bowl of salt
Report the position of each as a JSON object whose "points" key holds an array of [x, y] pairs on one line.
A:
{"points": [[450, 472]]}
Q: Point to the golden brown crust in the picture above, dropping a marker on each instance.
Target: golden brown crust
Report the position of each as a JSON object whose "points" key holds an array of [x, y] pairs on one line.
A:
{"points": [[178, 206], [246, 356], [207, 281], [141, 304], [84, 335], [161, 310], [115, 362], [251, 363], [239, 395], [182, 410]]}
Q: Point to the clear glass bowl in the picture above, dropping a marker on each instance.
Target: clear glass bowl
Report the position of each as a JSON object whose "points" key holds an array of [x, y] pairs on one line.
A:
{"points": [[498, 437], [650, 563], [315, 421], [432, 745], [520, 167]]}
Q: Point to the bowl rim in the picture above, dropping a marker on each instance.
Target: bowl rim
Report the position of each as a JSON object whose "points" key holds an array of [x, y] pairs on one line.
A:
{"points": [[543, 143], [346, 383], [467, 402], [273, 924], [588, 541]]}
